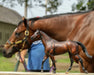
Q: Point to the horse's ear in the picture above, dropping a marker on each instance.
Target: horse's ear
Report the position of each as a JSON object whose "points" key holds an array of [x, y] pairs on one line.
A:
{"points": [[25, 21], [23, 18]]}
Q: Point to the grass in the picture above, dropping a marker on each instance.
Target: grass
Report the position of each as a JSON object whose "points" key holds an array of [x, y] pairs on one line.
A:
{"points": [[6, 64], [67, 60], [64, 60], [66, 54]]}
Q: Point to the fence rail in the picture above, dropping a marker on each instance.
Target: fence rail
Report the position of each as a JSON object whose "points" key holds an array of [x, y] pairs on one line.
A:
{"points": [[39, 73]]}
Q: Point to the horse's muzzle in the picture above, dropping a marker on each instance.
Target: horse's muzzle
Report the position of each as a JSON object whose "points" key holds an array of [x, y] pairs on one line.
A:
{"points": [[7, 55]]}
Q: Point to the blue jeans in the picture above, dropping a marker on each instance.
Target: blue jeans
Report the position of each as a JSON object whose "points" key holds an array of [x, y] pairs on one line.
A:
{"points": [[36, 54]]}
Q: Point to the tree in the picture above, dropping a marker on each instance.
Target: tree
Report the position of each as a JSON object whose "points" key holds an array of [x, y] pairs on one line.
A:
{"points": [[50, 5], [13, 3], [90, 4], [83, 5]]}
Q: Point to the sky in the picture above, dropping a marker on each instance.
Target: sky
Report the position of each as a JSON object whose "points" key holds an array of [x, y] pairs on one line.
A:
{"points": [[39, 11]]}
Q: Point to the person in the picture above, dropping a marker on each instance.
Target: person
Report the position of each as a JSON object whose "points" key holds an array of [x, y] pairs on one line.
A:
{"points": [[35, 56]]}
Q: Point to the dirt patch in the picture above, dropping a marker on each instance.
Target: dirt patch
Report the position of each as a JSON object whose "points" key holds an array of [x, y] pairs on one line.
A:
{"points": [[61, 57], [64, 66]]}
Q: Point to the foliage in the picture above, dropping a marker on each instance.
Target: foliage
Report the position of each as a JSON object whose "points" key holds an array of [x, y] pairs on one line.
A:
{"points": [[8, 3], [51, 5], [83, 5], [90, 4]]}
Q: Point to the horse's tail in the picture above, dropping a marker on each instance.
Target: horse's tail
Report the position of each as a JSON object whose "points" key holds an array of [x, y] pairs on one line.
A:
{"points": [[84, 49]]}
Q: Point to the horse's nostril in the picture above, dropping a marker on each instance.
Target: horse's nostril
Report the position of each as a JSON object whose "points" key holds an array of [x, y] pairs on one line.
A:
{"points": [[4, 52]]}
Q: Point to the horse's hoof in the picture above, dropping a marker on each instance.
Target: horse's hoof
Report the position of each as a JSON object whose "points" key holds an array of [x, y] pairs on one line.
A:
{"points": [[86, 72], [54, 71], [67, 72], [41, 70]]}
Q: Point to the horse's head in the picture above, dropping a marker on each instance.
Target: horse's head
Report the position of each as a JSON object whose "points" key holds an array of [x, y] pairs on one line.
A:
{"points": [[20, 39], [36, 35]]}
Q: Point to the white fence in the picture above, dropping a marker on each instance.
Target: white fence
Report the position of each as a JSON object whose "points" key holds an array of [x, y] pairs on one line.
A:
{"points": [[39, 73]]}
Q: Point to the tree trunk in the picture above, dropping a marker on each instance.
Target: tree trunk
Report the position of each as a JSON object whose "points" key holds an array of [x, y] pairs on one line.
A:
{"points": [[25, 8], [46, 1]]}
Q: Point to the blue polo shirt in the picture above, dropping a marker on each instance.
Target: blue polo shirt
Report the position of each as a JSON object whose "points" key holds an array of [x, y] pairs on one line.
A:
{"points": [[35, 56]]}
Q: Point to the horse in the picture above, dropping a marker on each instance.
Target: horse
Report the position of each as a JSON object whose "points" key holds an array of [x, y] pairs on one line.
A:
{"points": [[70, 26], [53, 47], [19, 40]]}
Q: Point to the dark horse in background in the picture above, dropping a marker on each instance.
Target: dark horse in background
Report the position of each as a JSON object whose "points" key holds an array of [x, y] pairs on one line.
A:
{"points": [[53, 47], [77, 27]]}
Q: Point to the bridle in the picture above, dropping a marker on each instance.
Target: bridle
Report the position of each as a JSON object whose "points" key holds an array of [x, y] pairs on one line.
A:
{"points": [[23, 41]]}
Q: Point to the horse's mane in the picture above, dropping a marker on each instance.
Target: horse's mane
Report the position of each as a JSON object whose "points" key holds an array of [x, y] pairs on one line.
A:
{"points": [[50, 16], [55, 15]]}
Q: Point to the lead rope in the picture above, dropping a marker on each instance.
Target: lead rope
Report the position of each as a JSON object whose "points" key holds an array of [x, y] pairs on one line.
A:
{"points": [[23, 62]]}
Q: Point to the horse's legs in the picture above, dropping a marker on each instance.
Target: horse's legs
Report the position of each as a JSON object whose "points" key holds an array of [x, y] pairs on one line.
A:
{"points": [[53, 61], [71, 60], [45, 57], [81, 61]]}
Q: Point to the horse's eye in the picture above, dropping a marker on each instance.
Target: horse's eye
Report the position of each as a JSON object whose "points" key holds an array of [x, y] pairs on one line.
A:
{"points": [[17, 34]]}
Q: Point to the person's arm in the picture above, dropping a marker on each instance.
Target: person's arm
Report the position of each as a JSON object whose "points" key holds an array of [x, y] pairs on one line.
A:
{"points": [[23, 53]]}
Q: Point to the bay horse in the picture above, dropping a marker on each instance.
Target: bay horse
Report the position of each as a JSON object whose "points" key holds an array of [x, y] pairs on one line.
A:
{"points": [[71, 26], [53, 47]]}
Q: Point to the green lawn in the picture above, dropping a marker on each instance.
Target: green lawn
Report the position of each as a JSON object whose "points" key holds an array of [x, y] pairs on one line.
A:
{"points": [[67, 60], [6, 64], [64, 60]]}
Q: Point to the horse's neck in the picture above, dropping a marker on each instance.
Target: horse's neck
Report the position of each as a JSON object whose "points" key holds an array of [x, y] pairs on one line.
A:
{"points": [[54, 21], [52, 27], [56, 27], [45, 38]]}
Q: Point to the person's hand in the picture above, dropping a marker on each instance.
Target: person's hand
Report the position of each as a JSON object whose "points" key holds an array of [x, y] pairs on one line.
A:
{"points": [[22, 58], [23, 53]]}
